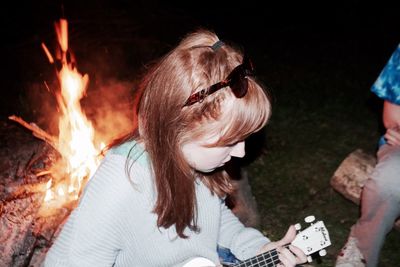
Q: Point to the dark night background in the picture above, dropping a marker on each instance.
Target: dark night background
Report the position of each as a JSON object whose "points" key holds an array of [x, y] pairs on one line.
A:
{"points": [[318, 60], [296, 31]]}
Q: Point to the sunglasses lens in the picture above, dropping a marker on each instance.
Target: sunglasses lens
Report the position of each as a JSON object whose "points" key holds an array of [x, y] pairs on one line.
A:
{"points": [[238, 77], [239, 84], [236, 80]]}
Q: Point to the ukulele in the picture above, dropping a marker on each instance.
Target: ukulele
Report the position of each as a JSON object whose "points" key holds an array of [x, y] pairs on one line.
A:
{"points": [[315, 238]]}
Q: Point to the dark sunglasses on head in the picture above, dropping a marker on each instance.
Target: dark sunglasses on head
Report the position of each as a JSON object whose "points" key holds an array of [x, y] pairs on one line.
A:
{"points": [[236, 80]]}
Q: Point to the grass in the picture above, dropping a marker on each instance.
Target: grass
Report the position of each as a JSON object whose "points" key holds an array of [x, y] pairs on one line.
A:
{"points": [[323, 111]]}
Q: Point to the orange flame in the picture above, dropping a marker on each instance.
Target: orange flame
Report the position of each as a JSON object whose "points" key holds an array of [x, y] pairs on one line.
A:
{"points": [[76, 133]]}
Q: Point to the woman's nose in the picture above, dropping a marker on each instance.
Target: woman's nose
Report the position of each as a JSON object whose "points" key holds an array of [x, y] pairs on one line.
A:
{"points": [[238, 150]]}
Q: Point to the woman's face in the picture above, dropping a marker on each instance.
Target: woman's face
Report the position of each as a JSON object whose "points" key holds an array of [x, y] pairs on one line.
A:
{"points": [[206, 159]]}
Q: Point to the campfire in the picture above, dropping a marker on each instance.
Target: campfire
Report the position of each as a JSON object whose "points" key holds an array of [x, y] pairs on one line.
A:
{"points": [[33, 212], [80, 155]]}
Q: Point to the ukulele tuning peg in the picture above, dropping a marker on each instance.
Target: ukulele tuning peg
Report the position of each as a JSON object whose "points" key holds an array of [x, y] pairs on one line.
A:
{"points": [[309, 219], [297, 226], [322, 252], [309, 258]]}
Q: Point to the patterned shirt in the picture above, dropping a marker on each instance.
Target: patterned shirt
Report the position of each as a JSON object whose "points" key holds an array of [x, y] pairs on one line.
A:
{"points": [[387, 85]]}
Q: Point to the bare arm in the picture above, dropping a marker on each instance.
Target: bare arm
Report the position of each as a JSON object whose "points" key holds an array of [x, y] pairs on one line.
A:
{"points": [[391, 121], [391, 115]]}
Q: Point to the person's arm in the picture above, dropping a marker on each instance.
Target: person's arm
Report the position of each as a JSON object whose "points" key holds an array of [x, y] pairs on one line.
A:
{"points": [[244, 242], [391, 121], [391, 115]]}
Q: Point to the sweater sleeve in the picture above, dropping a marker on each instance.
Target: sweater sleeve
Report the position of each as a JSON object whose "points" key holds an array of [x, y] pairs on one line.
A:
{"points": [[244, 242], [92, 234]]}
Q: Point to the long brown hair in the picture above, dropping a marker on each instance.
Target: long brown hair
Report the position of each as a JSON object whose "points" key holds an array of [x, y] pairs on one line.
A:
{"points": [[165, 125]]}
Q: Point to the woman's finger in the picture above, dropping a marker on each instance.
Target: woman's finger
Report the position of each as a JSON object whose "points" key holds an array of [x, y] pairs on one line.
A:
{"points": [[286, 257], [301, 256]]}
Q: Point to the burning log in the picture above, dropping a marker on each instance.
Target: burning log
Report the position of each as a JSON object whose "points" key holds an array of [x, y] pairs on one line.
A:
{"points": [[37, 131], [25, 234], [350, 177]]}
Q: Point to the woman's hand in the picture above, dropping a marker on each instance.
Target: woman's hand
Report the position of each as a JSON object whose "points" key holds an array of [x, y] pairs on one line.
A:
{"points": [[392, 136], [288, 258]]}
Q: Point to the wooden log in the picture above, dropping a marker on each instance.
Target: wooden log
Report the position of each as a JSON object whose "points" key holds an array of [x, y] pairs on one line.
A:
{"points": [[351, 175], [37, 131], [25, 234], [16, 239]]}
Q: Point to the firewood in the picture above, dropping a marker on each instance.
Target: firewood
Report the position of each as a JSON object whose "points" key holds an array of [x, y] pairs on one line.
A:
{"points": [[25, 235], [351, 175], [37, 131], [17, 241]]}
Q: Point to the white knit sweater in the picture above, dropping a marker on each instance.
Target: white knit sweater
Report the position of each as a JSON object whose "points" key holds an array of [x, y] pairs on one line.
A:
{"points": [[114, 225]]}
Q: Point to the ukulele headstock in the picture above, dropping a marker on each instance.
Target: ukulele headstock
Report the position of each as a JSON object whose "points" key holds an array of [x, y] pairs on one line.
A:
{"points": [[315, 238]]}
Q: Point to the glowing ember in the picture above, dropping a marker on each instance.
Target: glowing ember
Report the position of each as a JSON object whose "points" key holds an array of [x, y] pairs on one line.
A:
{"points": [[76, 133], [49, 193]]}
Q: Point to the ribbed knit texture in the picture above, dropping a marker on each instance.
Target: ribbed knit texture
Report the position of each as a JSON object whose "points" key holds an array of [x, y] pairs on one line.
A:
{"points": [[114, 225]]}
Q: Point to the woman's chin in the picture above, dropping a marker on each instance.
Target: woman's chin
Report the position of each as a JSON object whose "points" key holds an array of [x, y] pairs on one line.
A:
{"points": [[212, 170]]}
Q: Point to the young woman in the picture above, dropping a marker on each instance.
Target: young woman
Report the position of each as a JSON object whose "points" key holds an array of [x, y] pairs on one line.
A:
{"points": [[157, 198]]}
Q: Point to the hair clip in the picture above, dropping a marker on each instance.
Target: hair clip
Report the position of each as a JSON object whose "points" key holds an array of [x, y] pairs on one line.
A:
{"points": [[217, 45]]}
